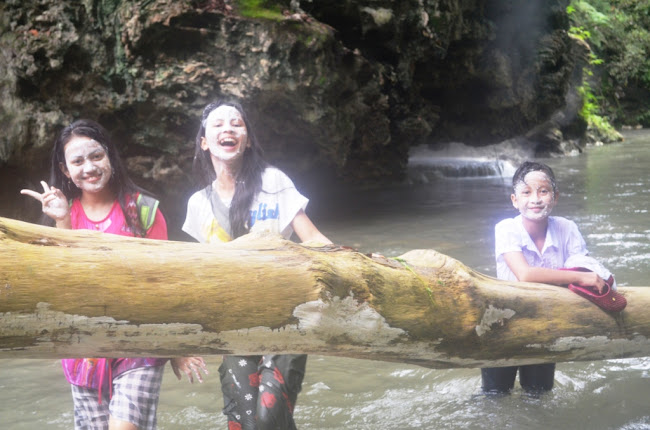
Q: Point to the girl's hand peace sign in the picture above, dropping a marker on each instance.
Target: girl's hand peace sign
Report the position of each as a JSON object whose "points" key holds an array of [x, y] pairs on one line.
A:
{"points": [[54, 202]]}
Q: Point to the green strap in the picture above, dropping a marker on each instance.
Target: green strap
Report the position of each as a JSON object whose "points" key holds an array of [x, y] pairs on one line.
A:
{"points": [[147, 207]]}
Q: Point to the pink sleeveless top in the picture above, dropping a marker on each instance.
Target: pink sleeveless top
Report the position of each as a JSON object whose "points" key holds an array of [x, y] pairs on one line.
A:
{"points": [[97, 373]]}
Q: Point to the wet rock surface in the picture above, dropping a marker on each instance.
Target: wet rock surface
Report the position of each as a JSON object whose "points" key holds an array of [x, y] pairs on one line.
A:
{"points": [[336, 89]]}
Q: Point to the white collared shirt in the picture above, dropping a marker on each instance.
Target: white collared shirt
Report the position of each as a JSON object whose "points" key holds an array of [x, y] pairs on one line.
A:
{"points": [[563, 239]]}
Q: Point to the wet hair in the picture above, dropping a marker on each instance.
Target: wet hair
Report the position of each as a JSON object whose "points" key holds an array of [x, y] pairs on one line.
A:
{"points": [[248, 182], [531, 166], [119, 183]]}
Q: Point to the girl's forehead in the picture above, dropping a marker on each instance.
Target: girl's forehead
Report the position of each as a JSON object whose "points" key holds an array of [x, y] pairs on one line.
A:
{"points": [[224, 113], [81, 144]]}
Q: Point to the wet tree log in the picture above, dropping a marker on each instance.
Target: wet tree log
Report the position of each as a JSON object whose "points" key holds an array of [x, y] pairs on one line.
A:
{"points": [[81, 293]]}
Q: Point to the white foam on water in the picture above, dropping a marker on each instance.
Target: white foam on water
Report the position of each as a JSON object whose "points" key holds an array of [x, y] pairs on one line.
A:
{"points": [[457, 160]]}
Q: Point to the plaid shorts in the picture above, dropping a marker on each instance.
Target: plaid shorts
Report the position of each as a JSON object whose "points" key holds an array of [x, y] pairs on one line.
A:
{"points": [[135, 400]]}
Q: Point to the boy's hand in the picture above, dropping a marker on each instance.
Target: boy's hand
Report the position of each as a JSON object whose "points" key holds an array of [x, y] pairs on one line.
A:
{"points": [[590, 279]]}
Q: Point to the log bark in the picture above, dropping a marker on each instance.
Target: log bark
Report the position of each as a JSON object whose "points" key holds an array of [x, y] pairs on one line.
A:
{"points": [[80, 293]]}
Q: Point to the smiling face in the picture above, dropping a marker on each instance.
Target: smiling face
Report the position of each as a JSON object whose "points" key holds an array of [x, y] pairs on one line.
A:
{"points": [[226, 135], [86, 164], [534, 197]]}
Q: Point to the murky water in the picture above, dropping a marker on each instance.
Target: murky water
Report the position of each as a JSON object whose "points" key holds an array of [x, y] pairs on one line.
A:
{"points": [[606, 191]]}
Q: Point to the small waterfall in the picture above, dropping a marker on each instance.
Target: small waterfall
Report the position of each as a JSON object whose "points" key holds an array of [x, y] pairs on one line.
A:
{"points": [[457, 160]]}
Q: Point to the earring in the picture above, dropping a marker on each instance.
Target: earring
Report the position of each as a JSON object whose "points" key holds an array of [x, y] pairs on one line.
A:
{"points": [[70, 185]]}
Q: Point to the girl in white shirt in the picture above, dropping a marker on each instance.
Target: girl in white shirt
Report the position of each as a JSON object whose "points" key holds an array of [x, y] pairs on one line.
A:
{"points": [[240, 193]]}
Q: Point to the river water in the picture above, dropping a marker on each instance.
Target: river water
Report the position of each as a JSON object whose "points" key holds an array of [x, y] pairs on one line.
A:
{"points": [[606, 190]]}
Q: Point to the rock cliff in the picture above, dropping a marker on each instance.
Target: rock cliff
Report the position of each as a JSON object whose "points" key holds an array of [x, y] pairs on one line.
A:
{"points": [[335, 88]]}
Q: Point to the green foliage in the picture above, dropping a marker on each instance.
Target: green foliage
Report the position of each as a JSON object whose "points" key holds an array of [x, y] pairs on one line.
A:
{"points": [[630, 45], [590, 20], [644, 119], [618, 32], [591, 104], [264, 9], [591, 110], [580, 33]]}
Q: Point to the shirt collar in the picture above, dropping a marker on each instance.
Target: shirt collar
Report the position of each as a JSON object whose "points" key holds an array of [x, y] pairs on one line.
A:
{"points": [[549, 242]]}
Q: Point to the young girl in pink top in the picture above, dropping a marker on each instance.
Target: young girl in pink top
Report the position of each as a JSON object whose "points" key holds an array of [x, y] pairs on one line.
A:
{"points": [[92, 190]]}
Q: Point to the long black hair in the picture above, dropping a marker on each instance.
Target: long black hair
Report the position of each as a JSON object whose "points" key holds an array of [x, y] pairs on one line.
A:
{"points": [[119, 183], [249, 178]]}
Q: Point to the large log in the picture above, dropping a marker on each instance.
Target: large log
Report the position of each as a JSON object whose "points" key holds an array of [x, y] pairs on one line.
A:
{"points": [[80, 293]]}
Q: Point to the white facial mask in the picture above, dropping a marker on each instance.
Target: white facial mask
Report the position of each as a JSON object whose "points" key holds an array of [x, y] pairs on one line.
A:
{"points": [[535, 198], [226, 135], [87, 164], [533, 215]]}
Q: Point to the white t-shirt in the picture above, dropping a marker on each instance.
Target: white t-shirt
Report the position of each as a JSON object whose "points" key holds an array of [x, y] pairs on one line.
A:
{"points": [[273, 210], [563, 239]]}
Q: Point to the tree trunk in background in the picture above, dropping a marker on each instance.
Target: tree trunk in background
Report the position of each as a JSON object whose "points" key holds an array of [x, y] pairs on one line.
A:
{"points": [[67, 293]]}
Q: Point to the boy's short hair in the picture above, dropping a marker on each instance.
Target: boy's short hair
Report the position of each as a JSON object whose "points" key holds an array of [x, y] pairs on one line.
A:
{"points": [[532, 166]]}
